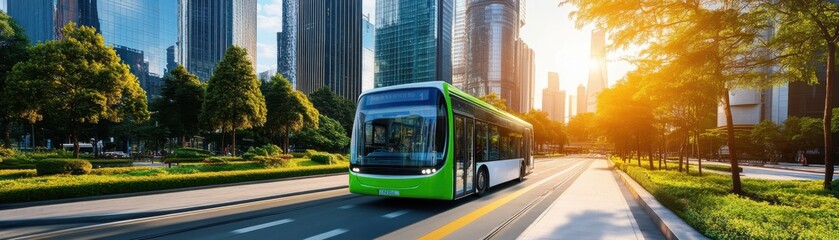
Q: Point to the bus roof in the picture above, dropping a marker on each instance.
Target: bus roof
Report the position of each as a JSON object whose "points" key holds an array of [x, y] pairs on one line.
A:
{"points": [[452, 90]]}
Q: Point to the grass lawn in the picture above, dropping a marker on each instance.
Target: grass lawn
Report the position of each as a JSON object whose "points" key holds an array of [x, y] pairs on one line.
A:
{"points": [[772, 209]]}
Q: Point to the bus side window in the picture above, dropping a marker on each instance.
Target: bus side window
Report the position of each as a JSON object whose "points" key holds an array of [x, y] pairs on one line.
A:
{"points": [[480, 142]]}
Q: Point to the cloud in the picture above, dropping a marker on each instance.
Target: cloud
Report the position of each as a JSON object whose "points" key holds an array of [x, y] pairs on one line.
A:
{"points": [[269, 15]]}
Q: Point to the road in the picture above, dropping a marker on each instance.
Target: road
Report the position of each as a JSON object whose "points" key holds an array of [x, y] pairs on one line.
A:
{"points": [[504, 213]]}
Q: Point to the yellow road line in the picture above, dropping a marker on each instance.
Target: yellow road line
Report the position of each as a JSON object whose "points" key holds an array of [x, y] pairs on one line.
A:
{"points": [[453, 226]]}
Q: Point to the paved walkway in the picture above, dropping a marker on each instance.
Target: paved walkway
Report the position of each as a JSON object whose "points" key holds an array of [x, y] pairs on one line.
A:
{"points": [[594, 207], [772, 173], [174, 201]]}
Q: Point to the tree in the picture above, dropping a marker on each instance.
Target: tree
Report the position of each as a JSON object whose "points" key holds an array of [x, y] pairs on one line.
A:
{"points": [[336, 107], [77, 80], [768, 136], [809, 33], [496, 101], [13, 44], [288, 110], [233, 100], [717, 40], [579, 127], [329, 136], [181, 93]]}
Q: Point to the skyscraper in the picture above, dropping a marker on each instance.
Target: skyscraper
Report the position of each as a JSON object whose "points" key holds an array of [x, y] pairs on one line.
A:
{"points": [[287, 43], [207, 28], [526, 75], [491, 50], [581, 100], [553, 99], [368, 55], [597, 78], [329, 47], [141, 32], [459, 44], [413, 41]]}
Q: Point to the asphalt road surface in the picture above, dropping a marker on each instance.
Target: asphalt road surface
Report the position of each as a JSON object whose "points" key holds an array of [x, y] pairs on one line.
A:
{"points": [[504, 213]]}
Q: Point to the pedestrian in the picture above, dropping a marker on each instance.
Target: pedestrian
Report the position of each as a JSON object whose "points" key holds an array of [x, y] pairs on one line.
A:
{"points": [[802, 159]]}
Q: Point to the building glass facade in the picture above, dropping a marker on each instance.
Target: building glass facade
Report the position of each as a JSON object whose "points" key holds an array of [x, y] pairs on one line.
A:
{"points": [[142, 32], [491, 43], [368, 45], [413, 41], [209, 27], [329, 47], [287, 43]]}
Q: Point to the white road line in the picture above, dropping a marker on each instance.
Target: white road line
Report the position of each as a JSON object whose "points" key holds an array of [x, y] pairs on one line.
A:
{"points": [[346, 207], [261, 226], [326, 235], [395, 214]]}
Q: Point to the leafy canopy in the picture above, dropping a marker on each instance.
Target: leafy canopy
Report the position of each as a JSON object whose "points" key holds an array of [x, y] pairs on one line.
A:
{"points": [[233, 99]]}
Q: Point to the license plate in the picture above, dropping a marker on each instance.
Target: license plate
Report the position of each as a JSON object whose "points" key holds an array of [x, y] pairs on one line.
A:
{"points": [[388, 192]]}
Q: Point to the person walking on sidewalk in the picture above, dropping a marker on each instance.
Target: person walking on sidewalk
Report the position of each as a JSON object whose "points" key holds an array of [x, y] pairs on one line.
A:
{"points": [[802, 159]]}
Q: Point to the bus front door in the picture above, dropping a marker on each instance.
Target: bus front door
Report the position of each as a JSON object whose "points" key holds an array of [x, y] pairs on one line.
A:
{"points": [[465, 157]]}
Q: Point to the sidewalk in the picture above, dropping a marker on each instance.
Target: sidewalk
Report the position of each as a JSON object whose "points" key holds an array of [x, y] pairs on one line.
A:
{"points": [[772, 173], [593, 207], [110, 209]]}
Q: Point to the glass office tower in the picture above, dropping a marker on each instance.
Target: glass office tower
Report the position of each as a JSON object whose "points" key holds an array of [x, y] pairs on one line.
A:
{"points": [[209, 27], [287, 43], [491, 46], [413, 41], [140, 31]]}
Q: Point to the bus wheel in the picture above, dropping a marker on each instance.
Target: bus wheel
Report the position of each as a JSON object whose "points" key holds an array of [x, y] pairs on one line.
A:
{"points": [[483, 182], [521, 173]]}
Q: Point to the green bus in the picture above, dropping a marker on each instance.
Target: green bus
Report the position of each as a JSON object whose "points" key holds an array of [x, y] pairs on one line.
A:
{"points": [[431, 140]]}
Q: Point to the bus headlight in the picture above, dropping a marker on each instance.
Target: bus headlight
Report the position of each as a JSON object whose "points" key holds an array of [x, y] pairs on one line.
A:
{"points": [[355, 169]]}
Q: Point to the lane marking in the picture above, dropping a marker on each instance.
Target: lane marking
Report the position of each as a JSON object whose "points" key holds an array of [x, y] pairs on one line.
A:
{"points": [[261, 226], [326, 235], [452, 226], [346, 207], [395, 214]]}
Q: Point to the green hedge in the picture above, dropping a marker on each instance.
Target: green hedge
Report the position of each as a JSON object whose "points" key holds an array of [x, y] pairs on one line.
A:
{"points": [[58, 187], [185, 160], [106, 163], [775, 209], [117, 170], [323, 158], [63, 166], [190, 153], [274, 161]]}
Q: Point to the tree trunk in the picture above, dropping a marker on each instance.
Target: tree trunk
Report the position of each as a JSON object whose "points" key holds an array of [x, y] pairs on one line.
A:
{"points": [[681, 154], [223, 147], [638, 149], [732, 156], [234, 142], [650, 155], [698, 152], [6, 142], [285, 142], [75, 142], [828, 114]]}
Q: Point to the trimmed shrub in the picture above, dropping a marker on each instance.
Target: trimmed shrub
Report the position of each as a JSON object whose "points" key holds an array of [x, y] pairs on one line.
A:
{"points": [[6, 153], [190, 153], [215, 161], [185, 160], [309, 153], [107, 163], [721, 168], [63, 166], [835, 187], [274, 161], [323, 158], [267, 150], [298, 155]]}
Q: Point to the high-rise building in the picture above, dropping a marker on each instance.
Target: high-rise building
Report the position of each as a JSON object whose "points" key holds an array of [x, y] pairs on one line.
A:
{"points": [[287, 43], [459, 44], [553, 99], [141, 32], [526, 75], [597, 77], [266, 76], [368, 55], [571, 108], [491, 50], [413, 41], [207, 28], [329, 47], [581, 100]]}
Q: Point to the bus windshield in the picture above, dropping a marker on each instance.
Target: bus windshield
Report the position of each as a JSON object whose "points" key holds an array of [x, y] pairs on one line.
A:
{"points": [[400, 128]]}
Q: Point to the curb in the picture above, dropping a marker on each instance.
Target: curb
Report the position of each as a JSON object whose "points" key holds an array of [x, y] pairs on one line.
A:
{"points": [[792, 169], [127, 216], [671, 225], [8, 206]]}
